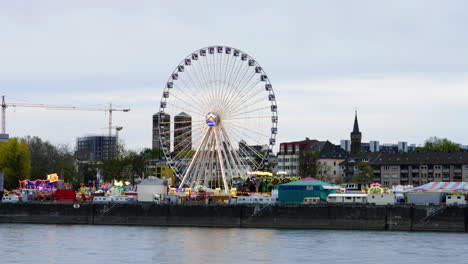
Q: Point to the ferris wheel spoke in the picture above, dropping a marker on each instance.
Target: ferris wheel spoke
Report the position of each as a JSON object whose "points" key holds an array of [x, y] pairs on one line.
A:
{"points": [[180, 128], [185, 109], [198, 71], [240, 89], [188, 104], [237, 161], [241, 95], [250, 111], [246, 129], [242, 72], [248, 117], [193, 96], [243, 105], [189, 92], [220, 160], [170, 140], [229, 82], [193, 159], [183, 122], [227, 76]]}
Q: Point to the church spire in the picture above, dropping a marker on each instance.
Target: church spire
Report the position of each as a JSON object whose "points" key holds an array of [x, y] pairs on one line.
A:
{"points": [[356, 125], [356, 136]]}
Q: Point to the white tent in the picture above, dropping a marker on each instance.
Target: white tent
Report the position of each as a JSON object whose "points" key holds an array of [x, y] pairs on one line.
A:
{"points": [[150, 187]]}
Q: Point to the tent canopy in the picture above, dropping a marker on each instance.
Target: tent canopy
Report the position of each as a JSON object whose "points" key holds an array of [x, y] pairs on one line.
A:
{"points": [[441, 187], [309, 179]]}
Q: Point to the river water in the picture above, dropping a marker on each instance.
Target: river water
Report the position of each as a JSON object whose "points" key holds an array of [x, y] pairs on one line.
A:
{"points": [[61, 244]]}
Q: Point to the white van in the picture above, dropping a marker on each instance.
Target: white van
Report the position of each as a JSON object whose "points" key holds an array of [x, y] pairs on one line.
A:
{"points": [[10, 199]]}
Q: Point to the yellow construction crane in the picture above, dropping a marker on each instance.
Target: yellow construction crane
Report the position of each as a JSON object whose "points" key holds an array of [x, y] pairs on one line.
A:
{"points": [[59, 107]]}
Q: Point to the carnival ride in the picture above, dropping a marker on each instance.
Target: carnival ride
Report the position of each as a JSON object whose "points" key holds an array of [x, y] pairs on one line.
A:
{"points": [[224, 118]]}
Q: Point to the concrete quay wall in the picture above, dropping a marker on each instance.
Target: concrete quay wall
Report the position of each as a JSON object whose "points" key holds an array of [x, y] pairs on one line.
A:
{"points": [[355, 217]]}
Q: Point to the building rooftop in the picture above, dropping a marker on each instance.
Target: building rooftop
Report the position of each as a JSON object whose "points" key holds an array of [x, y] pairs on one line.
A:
{"points": [[422, 158]]}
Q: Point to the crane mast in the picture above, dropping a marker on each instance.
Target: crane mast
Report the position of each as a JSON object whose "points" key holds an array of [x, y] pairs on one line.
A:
{"points": [[3, 115]]}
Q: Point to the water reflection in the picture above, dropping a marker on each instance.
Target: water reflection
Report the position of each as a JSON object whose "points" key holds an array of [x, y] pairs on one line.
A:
{"points": [[124, 244]]}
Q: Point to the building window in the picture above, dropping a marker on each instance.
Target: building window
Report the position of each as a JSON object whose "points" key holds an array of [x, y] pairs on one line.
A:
{"points": [[290, 148], [394, 167], [423, 167], [297, 148], [385, 175], [437, 167], [395, 176], [386, 167], [466, 167]]}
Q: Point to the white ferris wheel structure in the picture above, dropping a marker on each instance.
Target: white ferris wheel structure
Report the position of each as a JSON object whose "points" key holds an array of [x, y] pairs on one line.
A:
{"points": [[217, 118]]}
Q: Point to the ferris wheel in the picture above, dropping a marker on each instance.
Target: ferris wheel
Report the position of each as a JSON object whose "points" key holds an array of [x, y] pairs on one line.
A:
{"points": [[217, 118]]}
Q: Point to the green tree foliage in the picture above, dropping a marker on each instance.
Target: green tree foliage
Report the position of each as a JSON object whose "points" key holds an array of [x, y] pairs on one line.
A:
{"points": [[126, 165], [365, 173], [154, 153], [47, 158], [15, 162], [308, 165], [438, 144]]}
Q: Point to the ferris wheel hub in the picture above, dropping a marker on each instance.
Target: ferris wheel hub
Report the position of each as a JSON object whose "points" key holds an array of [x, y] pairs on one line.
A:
{"points": [[212, 119]]}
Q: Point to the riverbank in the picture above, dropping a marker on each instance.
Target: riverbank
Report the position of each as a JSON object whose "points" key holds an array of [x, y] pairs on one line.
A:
{"points": [[352, 217]]}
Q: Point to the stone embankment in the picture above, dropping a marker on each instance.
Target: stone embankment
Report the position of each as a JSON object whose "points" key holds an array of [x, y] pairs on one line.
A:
{"points": [[362, 217]]}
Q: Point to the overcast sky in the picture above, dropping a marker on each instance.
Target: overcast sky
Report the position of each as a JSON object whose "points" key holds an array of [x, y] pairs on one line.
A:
{"points": [[402, 64]]}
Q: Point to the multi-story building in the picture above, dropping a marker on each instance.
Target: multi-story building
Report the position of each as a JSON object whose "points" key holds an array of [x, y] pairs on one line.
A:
{"points": [[392, 169], [92, 150], [349, 167], [164, 136], [421, 168], [329, 157], [96, 148], [288, 156], [4, 137], [346, 144], [182, 132]]}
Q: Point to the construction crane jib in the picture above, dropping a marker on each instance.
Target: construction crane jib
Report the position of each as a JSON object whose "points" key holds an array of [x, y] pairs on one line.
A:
{"points": [[59, 107]]}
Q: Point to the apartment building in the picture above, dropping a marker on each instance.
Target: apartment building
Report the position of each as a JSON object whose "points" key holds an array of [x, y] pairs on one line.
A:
{"points": [[329, 157], [391, 169], [421, 168]]}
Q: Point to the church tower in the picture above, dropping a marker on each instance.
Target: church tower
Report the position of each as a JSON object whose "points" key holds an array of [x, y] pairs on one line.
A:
{"points": [[356, 137]]}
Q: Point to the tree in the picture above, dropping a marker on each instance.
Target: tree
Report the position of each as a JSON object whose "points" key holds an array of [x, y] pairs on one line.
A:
{"points": [[15, 162], [324, 172], [47, 158], [308, 166], [154, 153], [365, 173], [438, 144], [137, 163]]}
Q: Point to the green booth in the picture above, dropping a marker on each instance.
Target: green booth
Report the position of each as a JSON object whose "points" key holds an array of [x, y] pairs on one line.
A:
{"points": [[295, 192]]}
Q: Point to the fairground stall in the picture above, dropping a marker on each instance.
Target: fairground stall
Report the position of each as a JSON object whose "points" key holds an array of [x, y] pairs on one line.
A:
{"points": [[436, 192]]}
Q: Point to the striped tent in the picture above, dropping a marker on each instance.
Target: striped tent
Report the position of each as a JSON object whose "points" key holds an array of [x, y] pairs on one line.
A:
{"points": [[441, 187]]}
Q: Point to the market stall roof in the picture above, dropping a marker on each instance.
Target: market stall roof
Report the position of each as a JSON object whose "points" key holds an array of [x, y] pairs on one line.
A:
{"points": [[153, 181], [441, 187], [308, 183], [309, 179]]}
